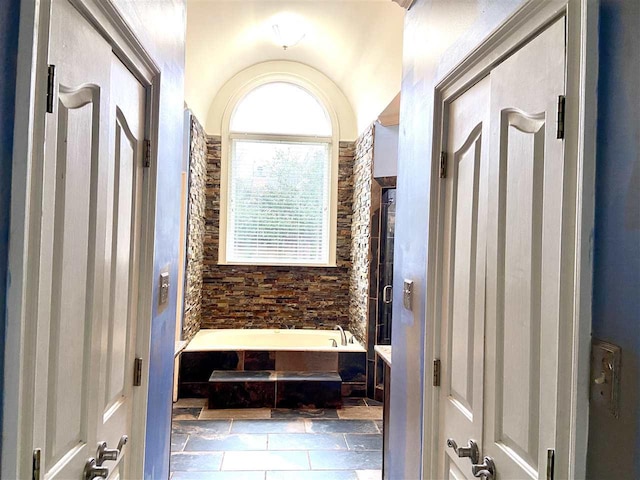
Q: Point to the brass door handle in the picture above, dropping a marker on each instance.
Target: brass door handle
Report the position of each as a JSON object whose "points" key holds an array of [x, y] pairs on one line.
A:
{"points": [[92, 471], [486, 470], [471, 451], [103, 454]]}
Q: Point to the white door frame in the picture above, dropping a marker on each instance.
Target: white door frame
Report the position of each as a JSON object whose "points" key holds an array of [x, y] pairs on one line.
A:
{"points": [[580, 153], [28, 155]]}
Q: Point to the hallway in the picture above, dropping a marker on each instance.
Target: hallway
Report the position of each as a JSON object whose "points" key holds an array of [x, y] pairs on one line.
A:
{"points": [[277, 444], [173, 167]]}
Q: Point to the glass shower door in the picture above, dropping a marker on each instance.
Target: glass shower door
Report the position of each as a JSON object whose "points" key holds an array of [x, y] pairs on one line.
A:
{"points": [[385, 293]]}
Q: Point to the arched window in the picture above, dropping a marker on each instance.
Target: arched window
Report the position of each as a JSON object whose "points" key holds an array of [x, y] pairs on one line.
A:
{"points": [[279, 179]]}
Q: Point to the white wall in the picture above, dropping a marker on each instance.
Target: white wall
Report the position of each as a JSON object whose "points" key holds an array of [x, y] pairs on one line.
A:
{"points": [[385, 151]]}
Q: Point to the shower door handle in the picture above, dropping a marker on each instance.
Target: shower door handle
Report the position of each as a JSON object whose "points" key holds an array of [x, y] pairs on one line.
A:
{"points": [[386, 294]]}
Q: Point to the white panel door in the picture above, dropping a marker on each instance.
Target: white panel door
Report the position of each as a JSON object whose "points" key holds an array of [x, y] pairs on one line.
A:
{"points": [[88, 245], [123, 220], [524, 257], [501, 265], [70, 290], [463, 277]]}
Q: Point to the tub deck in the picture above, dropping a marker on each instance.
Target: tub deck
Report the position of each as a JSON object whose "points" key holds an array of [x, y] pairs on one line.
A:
{"points": [[271, 340], [270, 350]]}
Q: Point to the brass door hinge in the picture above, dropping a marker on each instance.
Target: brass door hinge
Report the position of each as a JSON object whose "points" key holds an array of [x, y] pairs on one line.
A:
{"points": [[35, 471], [551, 460], [147, 153], [561, 115], [436, 373], [51, 84], [137, 372], [443, 164]]}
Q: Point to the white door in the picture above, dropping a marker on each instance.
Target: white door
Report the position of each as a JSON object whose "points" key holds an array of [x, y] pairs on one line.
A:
{"points": [[89, 243], [124, 202], [500, 319], [524, 257], [463, 278]]}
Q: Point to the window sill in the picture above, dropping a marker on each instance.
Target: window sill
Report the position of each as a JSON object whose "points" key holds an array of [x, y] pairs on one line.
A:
{"points": [[271, 264]]}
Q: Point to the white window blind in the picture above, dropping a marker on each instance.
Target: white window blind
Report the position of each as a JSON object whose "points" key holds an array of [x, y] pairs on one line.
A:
{"points": [[279, 202]]}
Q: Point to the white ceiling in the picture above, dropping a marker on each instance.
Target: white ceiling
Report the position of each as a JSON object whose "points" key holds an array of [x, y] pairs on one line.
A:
{"points": [[356, 43]]}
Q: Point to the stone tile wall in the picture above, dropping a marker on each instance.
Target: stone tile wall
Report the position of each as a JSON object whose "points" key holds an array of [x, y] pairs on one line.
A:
{"points": [[195, 233], [271, 297], [361, 235]]}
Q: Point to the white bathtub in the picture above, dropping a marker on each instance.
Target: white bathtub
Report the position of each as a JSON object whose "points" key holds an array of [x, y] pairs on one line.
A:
{"points": [[271, 340]]}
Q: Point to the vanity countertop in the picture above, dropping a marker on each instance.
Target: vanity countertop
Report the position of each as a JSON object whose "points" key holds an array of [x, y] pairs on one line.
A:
{"points": [[384, 352]]}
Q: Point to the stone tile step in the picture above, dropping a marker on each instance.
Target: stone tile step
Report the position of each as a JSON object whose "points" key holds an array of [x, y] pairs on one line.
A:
{"points": [[273, 376], [276, 389]]}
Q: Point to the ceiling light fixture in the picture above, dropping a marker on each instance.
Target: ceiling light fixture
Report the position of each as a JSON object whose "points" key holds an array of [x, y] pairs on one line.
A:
{"points": [[288, 30]]}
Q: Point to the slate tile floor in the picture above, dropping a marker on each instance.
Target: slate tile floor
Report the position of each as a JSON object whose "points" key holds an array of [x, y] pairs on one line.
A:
{"points": [[276, 444]]}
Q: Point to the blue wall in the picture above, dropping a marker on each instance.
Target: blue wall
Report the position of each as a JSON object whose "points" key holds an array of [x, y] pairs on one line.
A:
{"points": [[614, 443], [9, 19]]}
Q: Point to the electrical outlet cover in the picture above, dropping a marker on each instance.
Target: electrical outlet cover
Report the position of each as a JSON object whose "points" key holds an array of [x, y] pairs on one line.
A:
{"points": [[407, 294], [605, 375], [164, 288]]}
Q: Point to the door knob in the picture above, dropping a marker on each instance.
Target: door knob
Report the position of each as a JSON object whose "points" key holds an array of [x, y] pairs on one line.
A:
{"points": [[103, 454], [471, 451], [485, 470], [93, 471]]}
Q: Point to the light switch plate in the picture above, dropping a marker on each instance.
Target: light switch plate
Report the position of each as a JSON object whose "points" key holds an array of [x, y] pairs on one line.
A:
{"points": [[407, 294], [164, 289], [605, 375]]}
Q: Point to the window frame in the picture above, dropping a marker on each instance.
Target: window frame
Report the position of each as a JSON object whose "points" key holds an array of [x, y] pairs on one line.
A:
{"points": [[225, 163]]}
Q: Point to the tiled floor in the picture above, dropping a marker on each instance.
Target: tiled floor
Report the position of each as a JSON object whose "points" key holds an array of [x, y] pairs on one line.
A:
{"points": [[275, 444]]}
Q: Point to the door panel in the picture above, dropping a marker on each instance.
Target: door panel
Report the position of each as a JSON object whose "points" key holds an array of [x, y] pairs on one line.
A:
{"points": [[466, 165], [70, 327], [518, 359], [500, 280], [125, 149], [71, 244], [89, 246], [126, 140], [523, 258], [463, 275], [453, 472], [118, 319]]}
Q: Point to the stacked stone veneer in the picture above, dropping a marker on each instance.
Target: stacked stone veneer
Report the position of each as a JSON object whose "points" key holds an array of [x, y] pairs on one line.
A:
{"points": [[271, 297], [195, 233], [361, 235]]}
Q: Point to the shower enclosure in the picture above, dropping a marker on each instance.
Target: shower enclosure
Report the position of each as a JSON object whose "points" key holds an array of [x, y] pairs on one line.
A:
{"points": [[384, 284]]}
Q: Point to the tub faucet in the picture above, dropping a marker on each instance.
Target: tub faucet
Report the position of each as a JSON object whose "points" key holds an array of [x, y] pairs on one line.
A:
{"points": [[343, 336]]}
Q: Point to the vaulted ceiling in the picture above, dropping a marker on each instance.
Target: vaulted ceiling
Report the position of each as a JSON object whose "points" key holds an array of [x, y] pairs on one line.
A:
{"points": [[356, 43]]}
